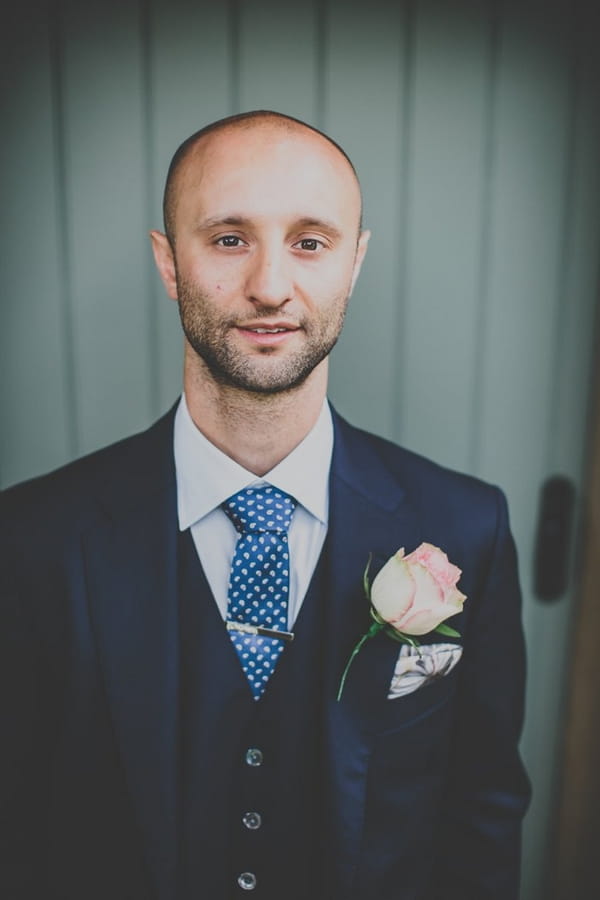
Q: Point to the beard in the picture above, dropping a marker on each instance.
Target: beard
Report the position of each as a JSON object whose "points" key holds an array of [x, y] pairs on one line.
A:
{"points": [[264, 370]]}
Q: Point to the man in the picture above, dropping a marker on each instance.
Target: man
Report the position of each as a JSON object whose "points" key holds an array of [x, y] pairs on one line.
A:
{"points": [[157, 748]]}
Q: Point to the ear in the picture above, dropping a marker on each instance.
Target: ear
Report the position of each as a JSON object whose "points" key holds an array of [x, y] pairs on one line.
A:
{"points": [[165, 262], [361, 249]]}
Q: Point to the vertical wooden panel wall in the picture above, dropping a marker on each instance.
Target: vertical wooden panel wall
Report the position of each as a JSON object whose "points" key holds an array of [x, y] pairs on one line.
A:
{"points": [[474, 127]]}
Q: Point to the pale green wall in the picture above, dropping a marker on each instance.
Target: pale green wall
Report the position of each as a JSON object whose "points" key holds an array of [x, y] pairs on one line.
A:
{"points": [[474, 126]]}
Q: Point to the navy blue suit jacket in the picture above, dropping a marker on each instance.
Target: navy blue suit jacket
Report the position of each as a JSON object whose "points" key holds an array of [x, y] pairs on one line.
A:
{"points": [[424, 789]]}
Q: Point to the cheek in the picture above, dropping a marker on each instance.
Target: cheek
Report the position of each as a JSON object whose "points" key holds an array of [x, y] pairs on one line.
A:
{"points": [[204, 283], [336, 278], [325, 284]]}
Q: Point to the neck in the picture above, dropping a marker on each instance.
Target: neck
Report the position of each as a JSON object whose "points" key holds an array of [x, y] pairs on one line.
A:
{"points": [[255, 430]]}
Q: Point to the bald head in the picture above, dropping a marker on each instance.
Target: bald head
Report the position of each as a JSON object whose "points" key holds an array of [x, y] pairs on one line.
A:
{"points": [[262, 251], [256, 120]]}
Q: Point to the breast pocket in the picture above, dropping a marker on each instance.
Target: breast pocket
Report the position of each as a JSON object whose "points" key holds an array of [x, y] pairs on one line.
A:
{"points": [[412, 733]]}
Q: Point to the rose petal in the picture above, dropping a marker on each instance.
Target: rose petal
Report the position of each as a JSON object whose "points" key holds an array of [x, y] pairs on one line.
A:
{"points": [[393, 588], [427, 606], [420, 622], [432, 604], [423, 621], [436, 562]]}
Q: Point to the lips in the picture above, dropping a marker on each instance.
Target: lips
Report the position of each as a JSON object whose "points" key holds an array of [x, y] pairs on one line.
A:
{"points": [[268, 327], [267, 334], [267, 330]]}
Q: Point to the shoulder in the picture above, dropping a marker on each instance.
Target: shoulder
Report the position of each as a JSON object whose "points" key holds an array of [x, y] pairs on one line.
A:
{"points": [[69, 495], [454, 510], [416, 475]]}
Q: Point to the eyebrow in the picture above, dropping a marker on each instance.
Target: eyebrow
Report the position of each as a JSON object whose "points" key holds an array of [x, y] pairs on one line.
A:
{"points": [[320, 224], [214, 221], [309, 222]]}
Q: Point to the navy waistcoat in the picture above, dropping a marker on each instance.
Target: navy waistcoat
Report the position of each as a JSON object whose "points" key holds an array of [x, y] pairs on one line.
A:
{"points": [[224, 794]]}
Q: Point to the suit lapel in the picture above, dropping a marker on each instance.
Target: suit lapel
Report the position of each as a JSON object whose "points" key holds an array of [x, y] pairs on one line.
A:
{"points": [[369, 514], [132, 586]]}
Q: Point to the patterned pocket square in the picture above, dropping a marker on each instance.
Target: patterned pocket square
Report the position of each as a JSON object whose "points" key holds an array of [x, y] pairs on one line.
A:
{"points": [[418, 666]]}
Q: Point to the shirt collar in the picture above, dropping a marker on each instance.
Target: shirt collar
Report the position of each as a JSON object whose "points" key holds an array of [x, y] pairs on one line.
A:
{"points": [[206, 476]]}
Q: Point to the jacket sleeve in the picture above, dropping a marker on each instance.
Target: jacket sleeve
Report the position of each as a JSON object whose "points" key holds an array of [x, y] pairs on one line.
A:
{"points": [[488, 791]]}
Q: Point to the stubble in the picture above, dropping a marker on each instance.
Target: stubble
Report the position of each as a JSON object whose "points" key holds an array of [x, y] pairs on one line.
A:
{"points": [[265, 370]]}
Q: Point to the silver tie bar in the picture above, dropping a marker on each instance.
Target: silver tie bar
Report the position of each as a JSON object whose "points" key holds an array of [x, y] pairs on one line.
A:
{"points": [[258, 629]]}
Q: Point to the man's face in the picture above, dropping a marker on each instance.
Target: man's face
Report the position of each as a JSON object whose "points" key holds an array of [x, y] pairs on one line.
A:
{"points": [[266, 252]]}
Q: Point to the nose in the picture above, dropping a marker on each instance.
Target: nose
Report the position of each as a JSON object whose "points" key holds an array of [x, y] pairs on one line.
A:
{"points": [[269, 281]]}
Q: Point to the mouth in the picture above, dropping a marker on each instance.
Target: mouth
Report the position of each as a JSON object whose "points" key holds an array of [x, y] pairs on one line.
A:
{"points": [[267, 335], [267, 330]]}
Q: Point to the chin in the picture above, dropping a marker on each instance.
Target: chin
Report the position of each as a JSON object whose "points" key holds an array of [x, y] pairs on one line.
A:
{"points": [[266, 380]]}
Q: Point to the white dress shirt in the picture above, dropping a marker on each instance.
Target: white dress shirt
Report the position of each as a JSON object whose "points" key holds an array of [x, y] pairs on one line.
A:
{"points": [[206, 477]]}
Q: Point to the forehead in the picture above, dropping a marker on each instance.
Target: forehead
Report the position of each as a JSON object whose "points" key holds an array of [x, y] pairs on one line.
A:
{"points": [[267, 172]]}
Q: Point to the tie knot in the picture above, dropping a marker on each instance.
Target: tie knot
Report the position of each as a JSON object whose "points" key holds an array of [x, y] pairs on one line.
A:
{"points": [[263, 508]]}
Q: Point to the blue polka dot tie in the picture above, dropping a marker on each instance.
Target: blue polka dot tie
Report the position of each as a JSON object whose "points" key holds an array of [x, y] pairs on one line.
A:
{"points": [[259, 580]]}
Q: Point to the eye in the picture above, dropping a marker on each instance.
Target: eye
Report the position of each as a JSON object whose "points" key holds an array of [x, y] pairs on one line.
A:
{"points": [[230, 240], [310, 244]]}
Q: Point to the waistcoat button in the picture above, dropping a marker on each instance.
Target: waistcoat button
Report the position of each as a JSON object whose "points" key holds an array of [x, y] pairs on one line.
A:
{"points": [[254, 757], [247, 881], [252, 820]]}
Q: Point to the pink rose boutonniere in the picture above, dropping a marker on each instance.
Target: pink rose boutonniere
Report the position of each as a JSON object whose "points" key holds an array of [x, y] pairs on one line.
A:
{"points": [[411, 595]]}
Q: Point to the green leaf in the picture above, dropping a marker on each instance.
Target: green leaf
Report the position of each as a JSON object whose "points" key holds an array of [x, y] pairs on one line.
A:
{"points": [[396, 636], [401, 637], [445, 629], [366, 584], [375, 615]]}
